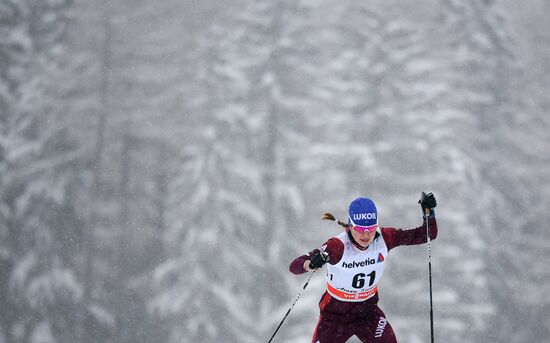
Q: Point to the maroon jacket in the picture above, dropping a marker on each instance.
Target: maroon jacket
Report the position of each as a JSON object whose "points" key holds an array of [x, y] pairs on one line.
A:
{"points": [[331, 307]]}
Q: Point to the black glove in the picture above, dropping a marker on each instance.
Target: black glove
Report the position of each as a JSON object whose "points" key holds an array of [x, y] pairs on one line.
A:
{"points": [[318, 260], [427, 201]]}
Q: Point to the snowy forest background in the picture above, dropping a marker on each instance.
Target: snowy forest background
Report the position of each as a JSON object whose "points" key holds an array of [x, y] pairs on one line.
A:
{"points": [[162, 162]]}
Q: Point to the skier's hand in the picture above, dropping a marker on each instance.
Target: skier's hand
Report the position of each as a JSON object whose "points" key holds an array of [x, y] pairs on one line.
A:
{"points": [[318, 260], [427, 202]]}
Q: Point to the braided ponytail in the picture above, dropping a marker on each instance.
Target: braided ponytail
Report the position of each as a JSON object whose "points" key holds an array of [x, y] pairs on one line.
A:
{"points": [[330, 216]]}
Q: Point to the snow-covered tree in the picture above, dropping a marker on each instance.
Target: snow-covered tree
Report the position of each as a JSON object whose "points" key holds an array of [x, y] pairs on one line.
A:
{"points": [[125, 93], [39, 229], [508, 170], [477, 111], [235, 196]]}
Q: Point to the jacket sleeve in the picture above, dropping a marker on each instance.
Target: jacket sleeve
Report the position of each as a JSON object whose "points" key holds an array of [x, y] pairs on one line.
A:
{"points": [[396, 237], [334, 247]]}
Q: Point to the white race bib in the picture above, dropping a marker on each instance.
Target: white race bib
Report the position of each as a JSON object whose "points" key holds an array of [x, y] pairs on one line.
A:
{"points": [[356, 276]]}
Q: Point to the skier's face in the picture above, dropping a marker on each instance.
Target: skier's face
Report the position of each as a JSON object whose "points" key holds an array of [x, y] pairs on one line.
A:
{"points": [[363, 238]]}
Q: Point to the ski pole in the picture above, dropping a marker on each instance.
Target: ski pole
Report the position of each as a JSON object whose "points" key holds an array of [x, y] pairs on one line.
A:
{"points": [[291, 306], [427, 215]]}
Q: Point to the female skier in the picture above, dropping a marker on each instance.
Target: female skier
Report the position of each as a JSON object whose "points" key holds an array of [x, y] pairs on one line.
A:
{"points": [[356, 260]]}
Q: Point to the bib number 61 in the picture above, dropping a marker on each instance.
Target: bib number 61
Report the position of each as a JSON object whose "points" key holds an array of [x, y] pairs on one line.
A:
{"points": [[359, 279]]}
